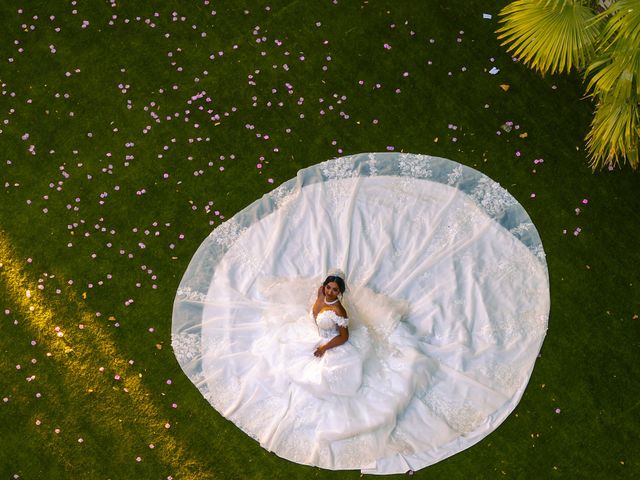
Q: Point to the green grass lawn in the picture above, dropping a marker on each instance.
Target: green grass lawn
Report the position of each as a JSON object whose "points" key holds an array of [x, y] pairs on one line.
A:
{"points": [[129, 130]]}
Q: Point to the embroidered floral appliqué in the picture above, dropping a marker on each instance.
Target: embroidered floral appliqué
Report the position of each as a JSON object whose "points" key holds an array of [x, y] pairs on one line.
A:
{"points": [[416, 166], [339, 168], [460, 416], [455, 175], [491, 197], [227, 233]]}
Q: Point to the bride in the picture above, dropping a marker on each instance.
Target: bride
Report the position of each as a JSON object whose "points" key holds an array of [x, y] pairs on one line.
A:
{"points": [[332, 322], [343, 394], [321, 361]]}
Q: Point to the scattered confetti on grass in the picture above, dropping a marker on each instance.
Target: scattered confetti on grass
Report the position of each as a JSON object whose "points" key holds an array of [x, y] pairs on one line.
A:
{"points": [[131, 129]]}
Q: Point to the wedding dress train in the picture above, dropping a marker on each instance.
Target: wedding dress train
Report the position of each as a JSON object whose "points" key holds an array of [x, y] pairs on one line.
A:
{"points": [[448, 302]]}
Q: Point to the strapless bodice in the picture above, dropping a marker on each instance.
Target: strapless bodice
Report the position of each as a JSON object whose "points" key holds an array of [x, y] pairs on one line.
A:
{"points": [[328, 322]]}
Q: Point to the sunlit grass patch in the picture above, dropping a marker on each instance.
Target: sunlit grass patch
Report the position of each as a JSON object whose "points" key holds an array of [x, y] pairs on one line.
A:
{"points": [[112, 400]]}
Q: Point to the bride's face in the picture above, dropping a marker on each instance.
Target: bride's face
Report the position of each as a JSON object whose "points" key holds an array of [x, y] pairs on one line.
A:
{"points": [[331, 291]]}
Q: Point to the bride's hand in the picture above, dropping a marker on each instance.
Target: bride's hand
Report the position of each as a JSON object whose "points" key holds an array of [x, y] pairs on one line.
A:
{"points": [[319, 351], [321, 291]]}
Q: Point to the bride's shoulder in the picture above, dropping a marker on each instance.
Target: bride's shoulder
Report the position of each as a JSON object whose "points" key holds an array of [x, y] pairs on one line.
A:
{"points": [[334, 315], [340, 311]]}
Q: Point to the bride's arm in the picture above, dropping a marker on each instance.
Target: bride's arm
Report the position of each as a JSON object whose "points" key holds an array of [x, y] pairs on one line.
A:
{"points": [[342, 337]]}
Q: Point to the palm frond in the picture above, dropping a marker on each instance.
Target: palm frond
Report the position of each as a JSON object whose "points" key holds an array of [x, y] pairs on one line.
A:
{"points": [[550, 35], [616, 68], [614, 134], [614, 80]]}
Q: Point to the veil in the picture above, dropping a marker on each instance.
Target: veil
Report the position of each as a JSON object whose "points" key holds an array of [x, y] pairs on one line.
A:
{"points": [[447, 280]]}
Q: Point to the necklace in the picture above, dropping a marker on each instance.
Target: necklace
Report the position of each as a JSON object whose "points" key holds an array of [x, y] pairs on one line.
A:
{"points": [[331, 303]]}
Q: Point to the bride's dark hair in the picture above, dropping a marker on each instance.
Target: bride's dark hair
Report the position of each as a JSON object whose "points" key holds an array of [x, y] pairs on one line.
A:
{"points": [[338, 280]]}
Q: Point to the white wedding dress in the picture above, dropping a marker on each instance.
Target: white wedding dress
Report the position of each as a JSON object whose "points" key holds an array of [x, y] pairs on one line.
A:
{"points": [[447, 301]]}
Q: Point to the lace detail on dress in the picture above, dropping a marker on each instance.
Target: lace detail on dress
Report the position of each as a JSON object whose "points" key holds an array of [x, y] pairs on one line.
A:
{"points": [[454, 177], [491, 197], [342, 321], [227, 233], [504, 376], [326, 316], [192, 295], [508, 269], [401, 441], [270, 409], [506, 330], [416, 166], [328, 322], [298, 445], [339, 168], [456, 225], [355, 451], [186, 346], [460, 416], [245, 257], [283, 195], [221, 392], [373, 170], [521, 229]]}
